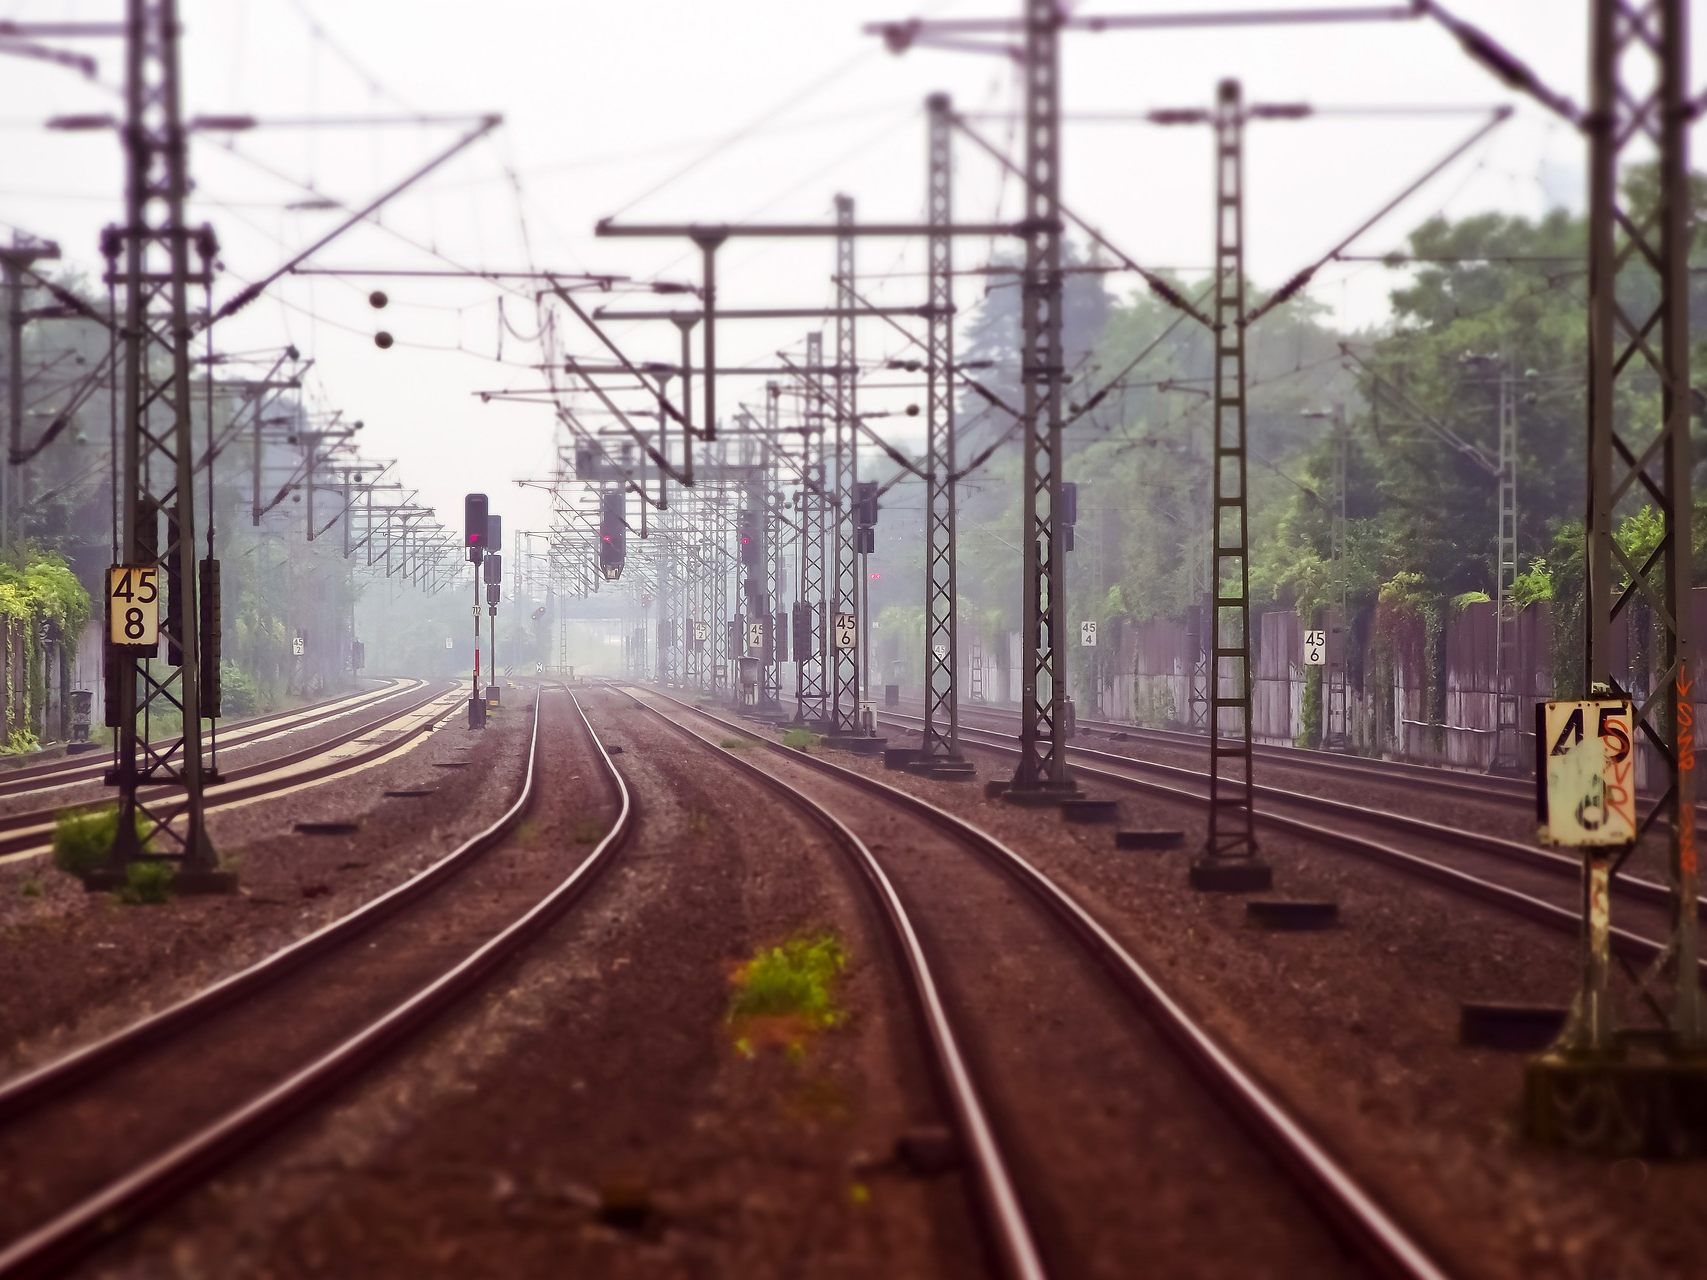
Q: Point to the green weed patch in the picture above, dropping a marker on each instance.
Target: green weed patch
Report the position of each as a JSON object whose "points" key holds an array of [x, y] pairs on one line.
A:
{"points": [[82, 838], [147, 884], [787, 992]]}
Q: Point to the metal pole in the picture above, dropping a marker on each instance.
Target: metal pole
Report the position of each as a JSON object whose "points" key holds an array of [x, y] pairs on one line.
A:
{"points": [[942, 652], [1507, 733], [814, 696], [1043, 756], [845, 659], [160, 785], [770, 690], [1229, 860], [1337, 720], [14, 387], [1639, 93]]}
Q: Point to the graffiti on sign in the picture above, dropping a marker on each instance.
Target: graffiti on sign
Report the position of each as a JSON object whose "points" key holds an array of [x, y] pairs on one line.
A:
{"points": [[1588, 773]]}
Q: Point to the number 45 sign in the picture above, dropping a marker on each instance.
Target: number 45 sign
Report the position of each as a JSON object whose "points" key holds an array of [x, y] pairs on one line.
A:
{"points": [[133, 606], [1588, 772]]}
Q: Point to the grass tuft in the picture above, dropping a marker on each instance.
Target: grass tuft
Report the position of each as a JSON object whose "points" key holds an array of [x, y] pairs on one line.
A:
{"points": [[82, 838], [147, 883], [794, 981], [31, 888], [587, 831], [800, 739], [735, 744]]}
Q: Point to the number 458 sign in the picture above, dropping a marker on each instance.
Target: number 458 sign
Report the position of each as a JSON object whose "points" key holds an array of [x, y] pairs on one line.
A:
{"points": [[133, 606], [1587, 772]]}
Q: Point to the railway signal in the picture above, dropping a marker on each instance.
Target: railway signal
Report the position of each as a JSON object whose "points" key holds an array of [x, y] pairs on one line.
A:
{"points": [[865, 516], [613, 533], [476, 525], [476, 530]]}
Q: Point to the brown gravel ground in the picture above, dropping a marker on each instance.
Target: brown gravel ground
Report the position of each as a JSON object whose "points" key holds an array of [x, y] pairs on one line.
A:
{"points": [[243, 756], [603, 1069], [1125, 1163], [83, 965], [1356, 1028]]}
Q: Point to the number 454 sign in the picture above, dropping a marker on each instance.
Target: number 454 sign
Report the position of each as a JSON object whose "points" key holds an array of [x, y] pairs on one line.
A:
{"points": [[1588, 772], [133, 606]]}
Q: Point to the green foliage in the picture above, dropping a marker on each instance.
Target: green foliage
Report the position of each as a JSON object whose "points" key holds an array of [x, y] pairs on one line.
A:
{"points": [[1464, 599], [734, 744], [82, 838], [240, 692], [1310, 713], [147, 883], [37, 586], [20, 742], [800, 739], [795, 980], [1533, 584]]}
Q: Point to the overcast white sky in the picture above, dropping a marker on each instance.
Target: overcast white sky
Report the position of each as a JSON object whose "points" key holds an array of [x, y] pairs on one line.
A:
{"points": [[622, 106]]}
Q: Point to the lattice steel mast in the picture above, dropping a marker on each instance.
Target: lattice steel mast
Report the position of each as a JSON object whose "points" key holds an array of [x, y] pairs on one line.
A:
{"points": [[1229, 857], [1508, 734], [814, 698], [1640, 93], [844, 658], [942, 707], [1042, 740], [160, 781]]}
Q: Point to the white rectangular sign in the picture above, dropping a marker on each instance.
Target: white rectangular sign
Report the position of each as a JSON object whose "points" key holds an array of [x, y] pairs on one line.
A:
{"points": [[1588, 776], [846, 631], [939, 651], [701, 632], [133, 605], [296, 646], [755, 635], [1088, 634], [1315, 648]]}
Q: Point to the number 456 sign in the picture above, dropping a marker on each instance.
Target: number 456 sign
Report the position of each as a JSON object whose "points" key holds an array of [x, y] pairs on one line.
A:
{"points": [[1587, 773], [133, 606]]}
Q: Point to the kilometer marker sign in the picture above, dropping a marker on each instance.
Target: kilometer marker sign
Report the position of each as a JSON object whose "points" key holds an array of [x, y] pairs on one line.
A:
{"points": [[133, 605], [1587, 772]]}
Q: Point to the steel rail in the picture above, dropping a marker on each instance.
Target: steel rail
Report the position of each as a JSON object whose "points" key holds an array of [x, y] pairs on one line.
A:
{"points": [[998, 1202], [1490, 788], [99, 1217], [241, 733], [1551, 915], [1531, 857], [21, 833], [1351, 1212]]}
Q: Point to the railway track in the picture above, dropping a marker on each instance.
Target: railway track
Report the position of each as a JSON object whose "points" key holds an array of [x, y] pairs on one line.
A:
{"points": [[1437, 782], [1537, 884], [959, 947], [153, 1111], [29, 833], [89, 766]]}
